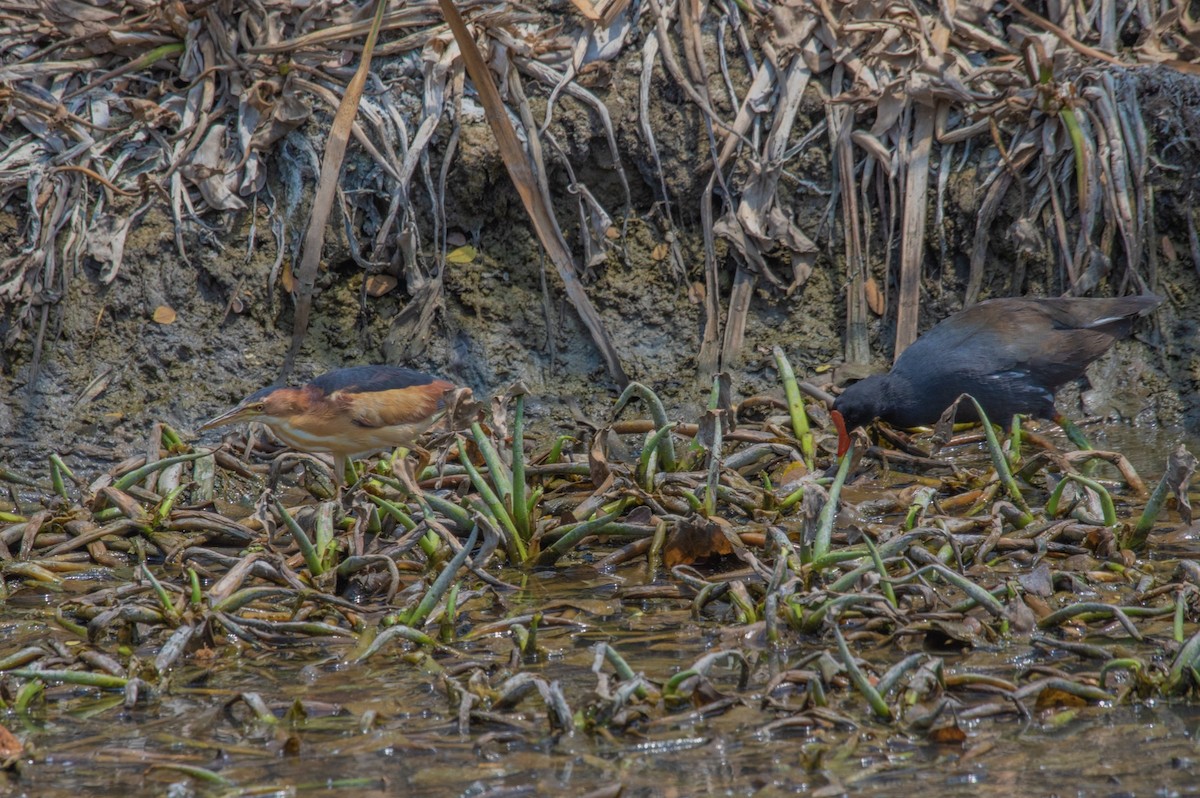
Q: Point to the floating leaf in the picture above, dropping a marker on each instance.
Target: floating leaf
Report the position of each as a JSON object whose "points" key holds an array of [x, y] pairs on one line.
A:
{"points": [[1053, 698], [164, 314]]}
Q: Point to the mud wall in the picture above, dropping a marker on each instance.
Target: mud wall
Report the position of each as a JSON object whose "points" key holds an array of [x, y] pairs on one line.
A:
{"points": [[110, 369]]}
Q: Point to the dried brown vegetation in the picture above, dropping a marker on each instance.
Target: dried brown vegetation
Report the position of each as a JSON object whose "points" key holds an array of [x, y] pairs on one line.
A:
{"points": [[840, 606], [111, 111], [816, 606]]}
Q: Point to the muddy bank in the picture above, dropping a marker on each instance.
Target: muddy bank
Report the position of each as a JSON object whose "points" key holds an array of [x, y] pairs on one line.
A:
{"points": [[112, 364]]}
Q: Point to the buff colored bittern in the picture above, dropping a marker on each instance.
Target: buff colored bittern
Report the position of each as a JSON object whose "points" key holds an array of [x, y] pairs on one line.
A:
{"points": [[348, 413]]}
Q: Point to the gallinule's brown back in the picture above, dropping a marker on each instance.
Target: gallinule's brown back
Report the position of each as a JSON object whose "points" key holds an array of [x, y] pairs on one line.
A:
{"points": [[1010, 354]]}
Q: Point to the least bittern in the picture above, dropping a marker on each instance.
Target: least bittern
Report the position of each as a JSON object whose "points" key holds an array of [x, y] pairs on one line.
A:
{"points": [[348, 412]]}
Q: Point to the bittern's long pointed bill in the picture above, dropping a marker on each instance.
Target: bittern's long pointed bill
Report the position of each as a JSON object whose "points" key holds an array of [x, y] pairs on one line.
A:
{"points": [[246, 411], [249, 409]]}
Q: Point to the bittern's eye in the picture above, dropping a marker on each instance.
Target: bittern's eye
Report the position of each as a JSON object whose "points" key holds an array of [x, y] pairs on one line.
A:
{"points": [[258, 407]]}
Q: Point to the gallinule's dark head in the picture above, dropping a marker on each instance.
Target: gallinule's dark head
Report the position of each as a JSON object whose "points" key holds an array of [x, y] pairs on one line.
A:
{"points": [[862, 402], [1010, 354]]}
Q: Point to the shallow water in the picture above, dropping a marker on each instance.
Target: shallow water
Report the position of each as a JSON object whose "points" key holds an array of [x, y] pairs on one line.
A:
{"points": [[389, 725], [1146, 447], [381, 723]]}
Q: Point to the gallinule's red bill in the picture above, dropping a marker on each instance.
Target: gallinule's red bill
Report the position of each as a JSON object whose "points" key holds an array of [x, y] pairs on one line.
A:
{"points": [[1010, 354]]}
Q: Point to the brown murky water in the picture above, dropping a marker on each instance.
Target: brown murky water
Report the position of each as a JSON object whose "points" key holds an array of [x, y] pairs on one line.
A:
{"points": [[308, 720], [378, 728]]}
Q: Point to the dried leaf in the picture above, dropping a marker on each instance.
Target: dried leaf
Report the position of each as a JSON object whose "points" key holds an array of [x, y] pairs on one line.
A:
{"points": [[279, 117], [693, 539], [891, 105], [792, 475], [84, 20], [586, 8], [877, 149], [10, 747], [464, 254], [1039, 581], [1021, 618], [462, 409], [943, 430], [213, 172], [1180, 467], [164, 314], [95, 387], [105, 243], [379, 284], [791, 25], [150, 112], [660, 252], [948, 734], [598, 463], [945, 635], [1168, 250], [876, 300]]}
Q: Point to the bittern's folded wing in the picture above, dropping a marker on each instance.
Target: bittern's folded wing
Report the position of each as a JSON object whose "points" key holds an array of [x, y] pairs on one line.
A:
{"points": [[399, 406]]}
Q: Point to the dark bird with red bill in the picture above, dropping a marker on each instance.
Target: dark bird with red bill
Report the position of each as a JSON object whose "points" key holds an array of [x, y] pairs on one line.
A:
{"points": [[348, 412], [1010, 354]]}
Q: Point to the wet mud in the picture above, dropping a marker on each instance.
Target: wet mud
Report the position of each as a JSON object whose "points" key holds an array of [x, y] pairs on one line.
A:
{"points": [[109, 369]]}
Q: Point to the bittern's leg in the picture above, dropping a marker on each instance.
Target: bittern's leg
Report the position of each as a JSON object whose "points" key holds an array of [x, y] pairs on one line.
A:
{"points": [[339, 470], [423, 458]]}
